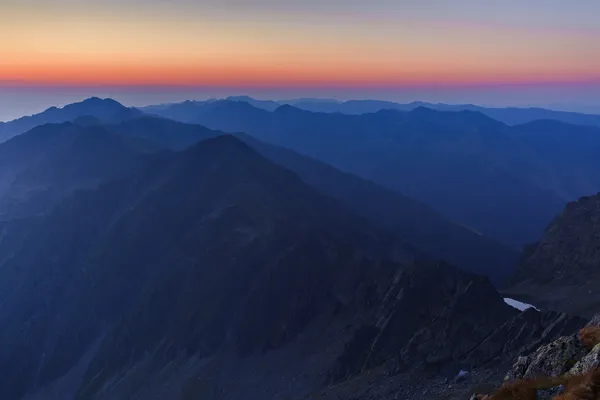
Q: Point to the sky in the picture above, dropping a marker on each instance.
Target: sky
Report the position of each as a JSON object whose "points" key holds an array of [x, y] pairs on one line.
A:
{"points": [[517, 52]]}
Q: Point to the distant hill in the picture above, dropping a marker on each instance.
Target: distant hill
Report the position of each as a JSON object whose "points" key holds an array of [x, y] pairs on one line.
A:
{"points": [[471, 168], [106, 110]]}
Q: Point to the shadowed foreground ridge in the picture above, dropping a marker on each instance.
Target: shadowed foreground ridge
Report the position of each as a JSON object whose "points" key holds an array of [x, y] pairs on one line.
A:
{"points": [[215, 273], [212, 247]]}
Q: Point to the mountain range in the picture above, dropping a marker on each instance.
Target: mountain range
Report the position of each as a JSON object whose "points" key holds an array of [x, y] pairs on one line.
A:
{"points": [[213, 272], [252, 254], [472, 169], [508, 115], [119, 148]]}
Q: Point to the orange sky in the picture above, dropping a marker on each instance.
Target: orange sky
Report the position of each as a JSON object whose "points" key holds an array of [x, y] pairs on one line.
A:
{"points": [[133, 42]]}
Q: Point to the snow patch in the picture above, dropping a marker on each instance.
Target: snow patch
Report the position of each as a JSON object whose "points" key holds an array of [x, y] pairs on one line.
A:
{"points": [[519, 305]]}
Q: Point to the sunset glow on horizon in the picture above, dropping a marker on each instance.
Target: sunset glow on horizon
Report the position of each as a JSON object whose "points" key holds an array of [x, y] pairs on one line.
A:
{"points": [[510, 52], [270, 44]]}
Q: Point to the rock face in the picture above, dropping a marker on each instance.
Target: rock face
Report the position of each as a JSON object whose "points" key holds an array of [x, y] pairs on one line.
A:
{"points": [[553, 359], [588, 363], [522, 335], [569, 250], [432, 315], [561, 272]]}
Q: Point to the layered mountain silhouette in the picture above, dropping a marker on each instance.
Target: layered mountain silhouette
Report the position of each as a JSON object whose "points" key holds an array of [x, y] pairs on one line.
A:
{"points": [[473, 169], [211, 247], [413, 221], [215, 273], [143, 258], [508, 115], [46, 164], [106, 110]]}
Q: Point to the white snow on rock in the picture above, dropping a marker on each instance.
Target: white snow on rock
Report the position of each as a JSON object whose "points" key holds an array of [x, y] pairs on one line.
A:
{"points": [[519, 305]]}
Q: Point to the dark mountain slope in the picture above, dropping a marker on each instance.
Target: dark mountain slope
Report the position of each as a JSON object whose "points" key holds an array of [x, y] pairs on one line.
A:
{"points": [[214, 273], [414, 222], [46, 164], [562, 270], [242, 250], [466, 165], [107, 110], [168, 134], [410, 219]]}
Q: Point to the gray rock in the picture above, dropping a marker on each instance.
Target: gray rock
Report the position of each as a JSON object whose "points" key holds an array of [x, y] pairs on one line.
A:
{"points": [[518, 369], [589, 362], [552, 359], [522, 335]]}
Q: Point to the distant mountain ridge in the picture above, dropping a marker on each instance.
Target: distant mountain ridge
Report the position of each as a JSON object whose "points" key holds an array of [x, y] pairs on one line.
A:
{"points": [[470, 167], [107, 110], [508, 115], [48, 155], [523, 161]]}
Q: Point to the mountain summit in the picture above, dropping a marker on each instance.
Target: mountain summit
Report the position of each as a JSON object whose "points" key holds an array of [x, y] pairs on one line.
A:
{"points": [[106, 110]]}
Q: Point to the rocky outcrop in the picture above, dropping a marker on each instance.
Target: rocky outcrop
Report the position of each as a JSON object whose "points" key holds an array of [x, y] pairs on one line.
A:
{"points": [[588, 363], [553, 359], [464, 325], [522, 334], [569, 250], [432, 315], [560, 271]]}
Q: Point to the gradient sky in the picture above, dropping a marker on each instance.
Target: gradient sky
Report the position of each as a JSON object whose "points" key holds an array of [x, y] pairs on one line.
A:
{"points": [[326, 47]]}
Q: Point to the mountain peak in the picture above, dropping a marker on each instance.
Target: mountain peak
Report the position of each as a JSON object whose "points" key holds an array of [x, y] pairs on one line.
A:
{"points": [[421, 109], [287, 108], [241, 98], [97, 101]]}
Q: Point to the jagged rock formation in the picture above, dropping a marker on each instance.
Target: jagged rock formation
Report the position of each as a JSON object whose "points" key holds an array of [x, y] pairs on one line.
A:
{"points": [[523, 334], [561, 270], [553, 359], [587, 363], [568, 359]]}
